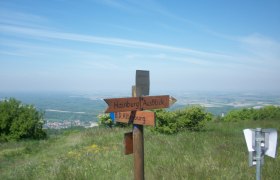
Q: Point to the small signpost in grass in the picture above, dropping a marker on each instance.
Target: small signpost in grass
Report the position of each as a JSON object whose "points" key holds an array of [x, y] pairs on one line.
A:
{"points": [[130, 110], [260, 142]]}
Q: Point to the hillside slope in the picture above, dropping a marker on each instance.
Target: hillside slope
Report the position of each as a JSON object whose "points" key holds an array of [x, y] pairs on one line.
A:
{"points": [[219, 152]]}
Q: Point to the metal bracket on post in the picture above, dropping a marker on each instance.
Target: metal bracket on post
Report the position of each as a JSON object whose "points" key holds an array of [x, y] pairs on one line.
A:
{"points": [[260, 142]]}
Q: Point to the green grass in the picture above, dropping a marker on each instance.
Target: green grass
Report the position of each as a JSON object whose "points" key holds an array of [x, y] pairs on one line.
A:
{"points": [[219, 152]]}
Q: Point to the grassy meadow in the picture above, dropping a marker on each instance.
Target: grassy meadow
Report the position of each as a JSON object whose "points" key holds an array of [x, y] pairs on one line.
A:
{"points": [[219, 152]]}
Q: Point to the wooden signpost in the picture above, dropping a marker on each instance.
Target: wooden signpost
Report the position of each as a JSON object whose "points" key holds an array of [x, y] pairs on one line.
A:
{"points": [[136, 117], [123, 104], [128, 143], [137, 103], [130, 110], [142, 88], [142, 83]]}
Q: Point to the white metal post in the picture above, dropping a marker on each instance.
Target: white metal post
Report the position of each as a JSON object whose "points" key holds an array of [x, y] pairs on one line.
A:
{"points": [[258, 149]]}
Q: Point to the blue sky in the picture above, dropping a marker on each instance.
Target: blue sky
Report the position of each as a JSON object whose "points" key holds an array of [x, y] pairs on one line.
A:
{"points": [[90, 45]]}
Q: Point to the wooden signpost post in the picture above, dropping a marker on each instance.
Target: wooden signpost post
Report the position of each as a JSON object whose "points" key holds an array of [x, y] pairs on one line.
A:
{"points": [[142, 88], [130, 110]]}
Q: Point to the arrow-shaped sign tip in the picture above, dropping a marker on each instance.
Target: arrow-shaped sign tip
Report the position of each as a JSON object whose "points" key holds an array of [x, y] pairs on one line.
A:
{"points": [[107, 102], [172, 100]]}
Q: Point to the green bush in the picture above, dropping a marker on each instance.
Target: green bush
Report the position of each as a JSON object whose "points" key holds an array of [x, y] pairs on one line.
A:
{"points": [[265, 113], [240, 115], [104, 120], [166, 122], [268, 112], [19, 121], [191, 118]]}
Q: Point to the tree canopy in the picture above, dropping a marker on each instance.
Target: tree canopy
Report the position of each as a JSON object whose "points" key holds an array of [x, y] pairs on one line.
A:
{"points": [[20, 121]]}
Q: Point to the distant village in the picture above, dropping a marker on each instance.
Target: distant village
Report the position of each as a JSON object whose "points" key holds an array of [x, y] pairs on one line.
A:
{"points": [[68, 124]]}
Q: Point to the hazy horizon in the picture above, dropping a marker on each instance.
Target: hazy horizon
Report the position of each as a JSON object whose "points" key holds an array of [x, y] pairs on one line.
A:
{"points": [[127, 93]]}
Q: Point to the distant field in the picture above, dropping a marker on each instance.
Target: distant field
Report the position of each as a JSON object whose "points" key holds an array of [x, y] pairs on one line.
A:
{"points": [[218, 153], [59, 107]]}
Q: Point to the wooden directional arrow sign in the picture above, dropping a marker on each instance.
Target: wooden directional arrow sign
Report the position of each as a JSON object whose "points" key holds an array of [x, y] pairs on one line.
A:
{"points": [[154, 102], [172, 100], [136, 117], [123, 104], [138, 103]]}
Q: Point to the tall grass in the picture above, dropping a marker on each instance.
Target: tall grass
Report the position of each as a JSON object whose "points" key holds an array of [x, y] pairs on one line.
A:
{"points": [[219, 152]]}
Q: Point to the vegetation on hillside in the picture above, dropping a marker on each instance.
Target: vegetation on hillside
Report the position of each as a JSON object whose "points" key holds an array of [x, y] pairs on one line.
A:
{"points": [[191, 118], [106, 121], [19, 121], [218, 152], [265, 113]]}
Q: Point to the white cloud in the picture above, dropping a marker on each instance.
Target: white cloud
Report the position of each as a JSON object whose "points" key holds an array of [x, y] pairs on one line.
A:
{"points": [[40, 33], [140, 50]]}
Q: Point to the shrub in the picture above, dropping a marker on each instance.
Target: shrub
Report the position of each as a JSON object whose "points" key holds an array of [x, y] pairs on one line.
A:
{"points": [[192, 118], [265, 113], [239, 115], [19, 121], [104, 120], [166, 122], [268, 112]]}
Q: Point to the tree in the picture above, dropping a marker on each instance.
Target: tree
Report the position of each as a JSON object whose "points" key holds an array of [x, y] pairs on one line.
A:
{"points": [[19, 121]]}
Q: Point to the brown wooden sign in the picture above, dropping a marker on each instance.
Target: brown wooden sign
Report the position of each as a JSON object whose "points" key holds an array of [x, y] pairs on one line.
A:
{"points": [[136, 117], [154, 102], [123, 104], [138, 103], [128, 143]]}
